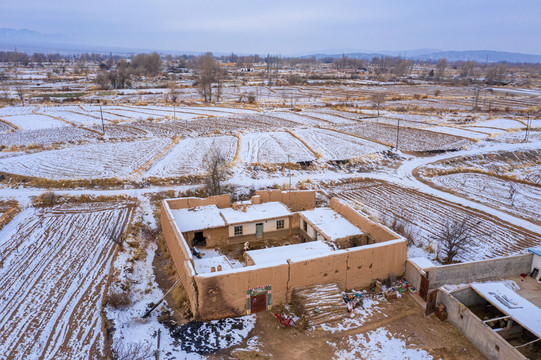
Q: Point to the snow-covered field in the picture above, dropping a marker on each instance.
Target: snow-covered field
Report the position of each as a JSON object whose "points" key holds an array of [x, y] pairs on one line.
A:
{"points": [[34, 121], [187, 157], [91, 161], [515, 197], [272, 147], [333, 145], [56, 263], [425, 216]]}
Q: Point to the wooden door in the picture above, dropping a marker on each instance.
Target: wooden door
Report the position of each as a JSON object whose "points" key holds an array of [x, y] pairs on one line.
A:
{"points": [[259, 230], [258, 303], [423, 289]]}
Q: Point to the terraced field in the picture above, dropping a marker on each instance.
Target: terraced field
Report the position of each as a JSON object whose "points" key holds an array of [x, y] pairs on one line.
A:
{"points": [[427, 215], [410, 139], [517, 198], [273, 147], [187, 157], [55, 267], [87, 161], [333, 145]]}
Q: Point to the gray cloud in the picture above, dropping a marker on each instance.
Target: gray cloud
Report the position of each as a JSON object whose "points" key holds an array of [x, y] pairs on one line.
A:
{"points": [[288, 27]]}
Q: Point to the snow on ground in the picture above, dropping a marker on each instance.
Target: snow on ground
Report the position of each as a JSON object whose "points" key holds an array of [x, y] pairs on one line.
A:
{"points": [[16, 110], [485, 130], [521, 199], [333, 145], [33, 121], [501, 124], [333, 118], [186, 341], [187, 157], [71, 113], [459, 132], [272, 147], [371, 307], [90, 161], [379, 344], [298, 118], [55, 265]]}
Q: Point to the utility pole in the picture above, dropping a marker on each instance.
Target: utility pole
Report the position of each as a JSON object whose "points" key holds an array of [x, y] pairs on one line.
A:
{"points": [[397, 133], [289, 195], [528, 122], [102, 125]]}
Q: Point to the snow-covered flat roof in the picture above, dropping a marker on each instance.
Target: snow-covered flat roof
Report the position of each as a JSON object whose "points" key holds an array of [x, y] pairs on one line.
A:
{"points": [[510, 303], [281, 254], [204, 265], [198, 218], [422, 262], [330, 223], [255, 212]]}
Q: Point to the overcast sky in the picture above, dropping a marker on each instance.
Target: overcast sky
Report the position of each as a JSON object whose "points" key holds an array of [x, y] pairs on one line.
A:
{"points": [[286, 27]]}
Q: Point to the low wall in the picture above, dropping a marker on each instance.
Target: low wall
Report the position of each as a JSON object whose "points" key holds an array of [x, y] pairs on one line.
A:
{"points": [[413, 274], [466, 273], [223, 294], [175, 241], [370, 262], [378, 232], [298, 200], [221, 201], [485, 339], [319, 270]]}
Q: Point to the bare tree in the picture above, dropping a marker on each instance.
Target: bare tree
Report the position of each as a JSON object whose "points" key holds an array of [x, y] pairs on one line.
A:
{"points": [[216, 168], [378, 100], [208, 73], [455, 237], [132, 351], [441, 65], [20, 93], [173, 96]]}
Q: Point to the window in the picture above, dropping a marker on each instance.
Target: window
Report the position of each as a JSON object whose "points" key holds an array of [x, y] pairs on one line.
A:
{"points": [[280, 224], [238, 230]]}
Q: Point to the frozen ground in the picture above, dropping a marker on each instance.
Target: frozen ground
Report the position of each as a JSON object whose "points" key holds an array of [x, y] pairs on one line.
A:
{"points": [[91, 161], [55, 265], [188, 156], [378, 344], [272, 147]]}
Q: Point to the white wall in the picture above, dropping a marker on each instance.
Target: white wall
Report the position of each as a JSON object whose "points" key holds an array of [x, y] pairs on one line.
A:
{"points": [[268, 226]]}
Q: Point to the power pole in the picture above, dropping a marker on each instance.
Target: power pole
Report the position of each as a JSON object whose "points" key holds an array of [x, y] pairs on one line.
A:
{"points": [[528, 122], [397, 133], [102, 125], [289, 195]]}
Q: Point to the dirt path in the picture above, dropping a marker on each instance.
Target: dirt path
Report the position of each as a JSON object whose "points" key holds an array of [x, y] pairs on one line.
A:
{"points": [[403, 318]]}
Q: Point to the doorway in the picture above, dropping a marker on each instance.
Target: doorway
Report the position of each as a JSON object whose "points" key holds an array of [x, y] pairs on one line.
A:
{"points": [[259, 230], [258, 303], [199, 239]]}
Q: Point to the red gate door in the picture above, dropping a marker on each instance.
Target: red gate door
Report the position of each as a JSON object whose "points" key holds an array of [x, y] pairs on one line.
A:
{"points": [[258, 303]]}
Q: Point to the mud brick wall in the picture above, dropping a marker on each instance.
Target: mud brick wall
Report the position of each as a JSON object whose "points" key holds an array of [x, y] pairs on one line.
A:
{"points": [[221, 201], [295, 200], [379, 233]]}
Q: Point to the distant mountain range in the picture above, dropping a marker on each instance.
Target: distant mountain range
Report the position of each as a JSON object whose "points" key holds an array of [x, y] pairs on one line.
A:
{"points": [[475, 55], [30, 41]]}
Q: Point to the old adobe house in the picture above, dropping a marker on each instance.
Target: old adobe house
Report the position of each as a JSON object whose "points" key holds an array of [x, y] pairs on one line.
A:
{"points": [[291, 244]]}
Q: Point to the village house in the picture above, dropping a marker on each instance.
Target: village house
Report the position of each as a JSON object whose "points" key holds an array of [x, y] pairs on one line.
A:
{"points": [[246, 257]]}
